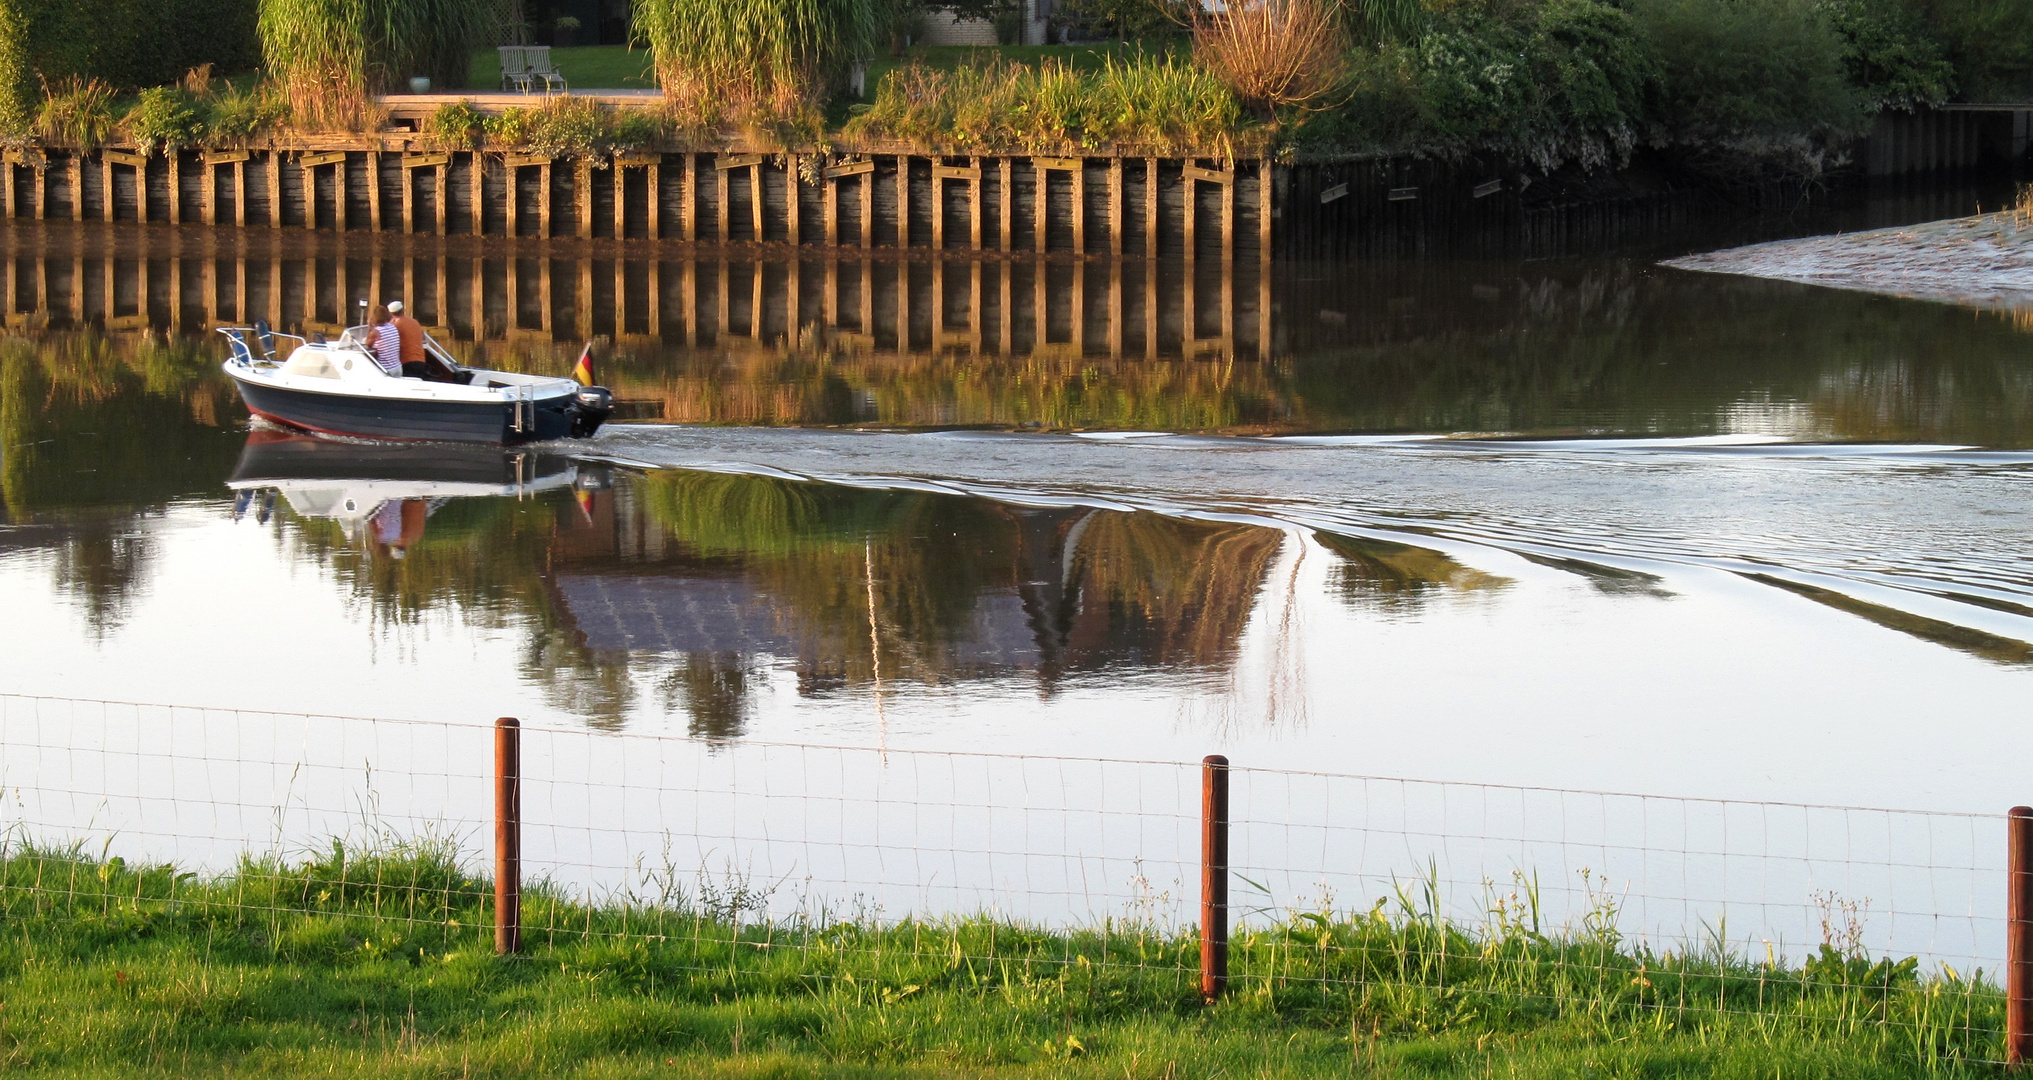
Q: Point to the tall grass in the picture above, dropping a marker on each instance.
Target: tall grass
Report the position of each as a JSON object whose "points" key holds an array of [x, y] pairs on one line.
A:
{"points": [[372, 960], [76, 112], [1142, 105], [331, 55], [738, 55], [1275, 54]]}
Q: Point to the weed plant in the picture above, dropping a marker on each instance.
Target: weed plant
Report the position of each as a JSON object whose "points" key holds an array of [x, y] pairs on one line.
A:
{"points": [[374, 960]]}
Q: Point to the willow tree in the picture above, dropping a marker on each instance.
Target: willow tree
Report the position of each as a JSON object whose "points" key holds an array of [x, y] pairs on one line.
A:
{"points": [[776, 54], [330, 55]]}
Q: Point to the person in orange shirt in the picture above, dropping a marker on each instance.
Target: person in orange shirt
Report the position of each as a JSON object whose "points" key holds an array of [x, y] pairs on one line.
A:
{"points": [[410, 334]]}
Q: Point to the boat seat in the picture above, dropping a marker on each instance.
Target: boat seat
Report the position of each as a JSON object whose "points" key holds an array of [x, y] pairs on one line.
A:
{"points": [[241, 353]]}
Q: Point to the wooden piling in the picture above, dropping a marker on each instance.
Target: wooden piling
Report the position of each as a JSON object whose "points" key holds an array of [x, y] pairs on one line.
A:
{"points": [[441, 176], [2019, 937], [654, 187], [974, 207], [1040, 234], [476, 212], [1080, 206], [723, 220], [864, 189], [1213, 877], [545, 195], [512, 180], [1116, 212], [1006, 205], [176, 187], [240, 194], [830, 209], [582, 198], [688, 201], [755, 203], [74, 174], [1150, 208], [620, 201], [507, 836], [903, 201], [1266, 210], [792, 191], [374, 207]]}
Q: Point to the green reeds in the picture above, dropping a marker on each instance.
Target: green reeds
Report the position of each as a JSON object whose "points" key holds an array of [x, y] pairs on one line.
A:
{"points": [[737, 55], [332, 55], [1143, 105]]}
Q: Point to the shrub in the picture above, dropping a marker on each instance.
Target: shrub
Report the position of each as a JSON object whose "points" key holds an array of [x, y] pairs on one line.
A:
{"points": [[1274, 53], [1552, 83], [1890, 56], [566, 126], [164, 118], [1126, 20], [746, 52], [232, 115], [1990, 44], [76, 112], [1750, 81], [123, 43], [457, 126]]}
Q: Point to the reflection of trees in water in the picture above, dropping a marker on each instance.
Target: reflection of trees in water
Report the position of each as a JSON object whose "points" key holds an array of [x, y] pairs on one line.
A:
{"points": [[97, 433], [712, 689], [1399, 579], [1622, 348]]}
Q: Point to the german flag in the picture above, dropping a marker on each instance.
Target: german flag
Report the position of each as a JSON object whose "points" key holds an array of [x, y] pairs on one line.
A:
{"points": [[582, 371]]}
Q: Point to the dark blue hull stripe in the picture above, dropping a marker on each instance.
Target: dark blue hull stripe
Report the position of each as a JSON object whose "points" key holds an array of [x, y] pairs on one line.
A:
{"points": [[382, 418]]}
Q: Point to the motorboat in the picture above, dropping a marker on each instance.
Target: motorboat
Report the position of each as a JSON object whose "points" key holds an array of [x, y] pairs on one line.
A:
{"points": [[335, 387]]}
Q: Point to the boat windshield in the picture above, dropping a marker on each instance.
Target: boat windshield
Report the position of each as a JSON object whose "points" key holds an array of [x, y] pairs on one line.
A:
{"points": [[353, 337]]}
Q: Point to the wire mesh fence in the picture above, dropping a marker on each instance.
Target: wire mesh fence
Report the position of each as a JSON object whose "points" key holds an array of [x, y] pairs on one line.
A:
{"points": [[1375, 897]]}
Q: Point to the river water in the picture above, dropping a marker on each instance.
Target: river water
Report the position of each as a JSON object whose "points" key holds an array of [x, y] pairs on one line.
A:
{"points": [[1584, 523]]}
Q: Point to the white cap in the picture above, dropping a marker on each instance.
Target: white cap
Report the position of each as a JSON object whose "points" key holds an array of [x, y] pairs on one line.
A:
{"points": [[394, 306]]}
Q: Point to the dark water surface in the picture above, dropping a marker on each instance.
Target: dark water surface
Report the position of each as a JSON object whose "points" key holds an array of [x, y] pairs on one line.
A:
{"points": [[1585, 522]]}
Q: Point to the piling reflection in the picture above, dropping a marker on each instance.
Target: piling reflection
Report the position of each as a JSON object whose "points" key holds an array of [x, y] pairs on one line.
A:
{"points": [[748, 337]]}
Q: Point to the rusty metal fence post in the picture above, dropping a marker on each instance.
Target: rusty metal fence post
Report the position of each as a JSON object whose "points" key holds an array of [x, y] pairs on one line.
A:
{"points": [[1213, 877], [507, 835], [2019, 936]]}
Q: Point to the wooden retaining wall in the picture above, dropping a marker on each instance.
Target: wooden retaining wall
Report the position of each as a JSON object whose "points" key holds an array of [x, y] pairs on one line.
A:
{"points": [[1134, 207]]}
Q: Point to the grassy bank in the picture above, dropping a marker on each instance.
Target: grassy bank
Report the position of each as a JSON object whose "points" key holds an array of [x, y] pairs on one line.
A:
{"points": [[374, 963]]}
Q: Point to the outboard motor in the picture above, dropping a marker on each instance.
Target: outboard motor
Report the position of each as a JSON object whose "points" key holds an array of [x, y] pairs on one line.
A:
{"points": [[590, 409]]}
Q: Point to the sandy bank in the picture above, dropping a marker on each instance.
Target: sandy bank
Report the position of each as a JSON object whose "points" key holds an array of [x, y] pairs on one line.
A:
{"points": [[1984, 261]]}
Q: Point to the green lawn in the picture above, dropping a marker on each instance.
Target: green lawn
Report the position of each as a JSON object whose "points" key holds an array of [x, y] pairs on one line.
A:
{"points": [[359, 964], [585, 67]]}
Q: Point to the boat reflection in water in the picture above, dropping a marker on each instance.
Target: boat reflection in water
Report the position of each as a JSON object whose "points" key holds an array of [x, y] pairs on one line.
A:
{"points": [[384, 492]]}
